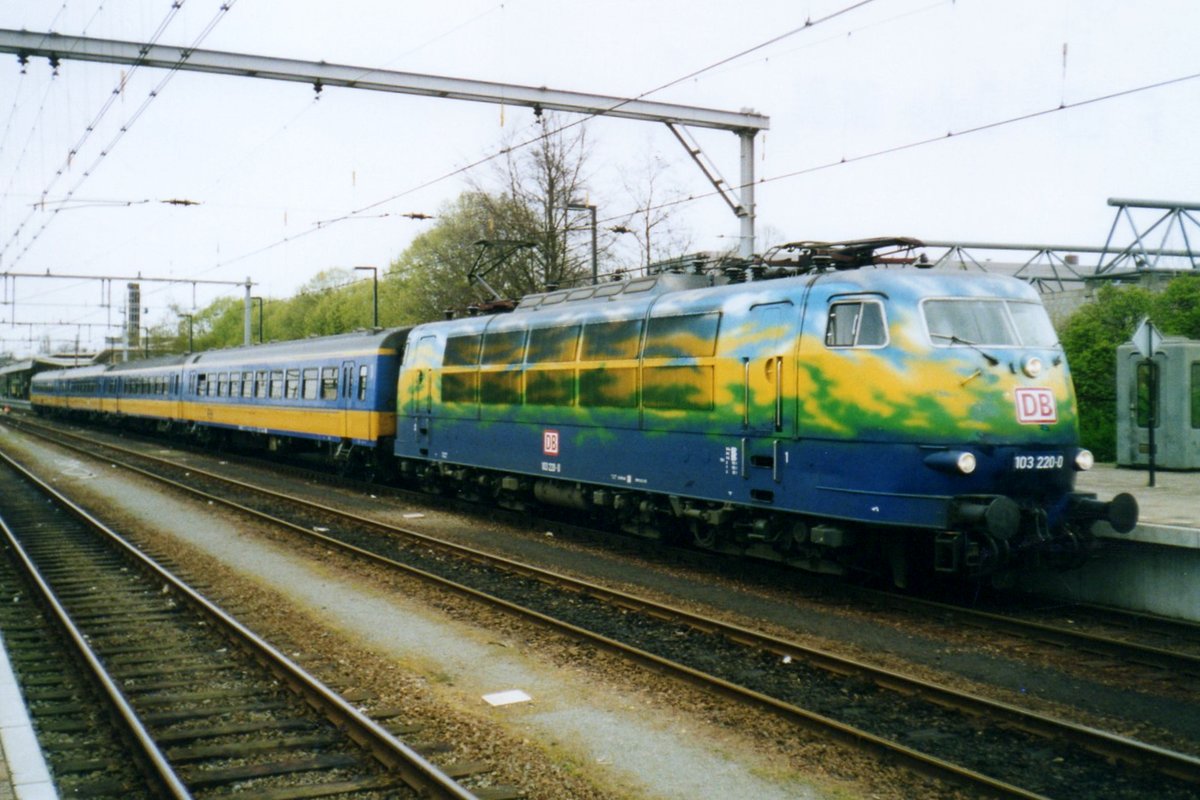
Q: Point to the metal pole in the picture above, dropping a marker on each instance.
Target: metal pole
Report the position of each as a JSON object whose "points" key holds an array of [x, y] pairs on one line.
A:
{"points": [[260, 318], [246, 339], [595, 252], [746, 242]]}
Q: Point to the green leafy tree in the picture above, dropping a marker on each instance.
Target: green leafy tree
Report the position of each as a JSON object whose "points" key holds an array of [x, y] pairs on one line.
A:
{"points": [[475, 229], [1091, 337]]}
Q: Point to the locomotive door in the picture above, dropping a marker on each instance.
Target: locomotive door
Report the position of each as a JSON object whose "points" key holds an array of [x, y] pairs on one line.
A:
{"points": [[766, 370], [765, 361], [418, 394]]}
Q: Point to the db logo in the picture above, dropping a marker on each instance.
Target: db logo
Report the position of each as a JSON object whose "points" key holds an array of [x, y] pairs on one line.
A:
{"points": [[1036, 406], [550, 443]]}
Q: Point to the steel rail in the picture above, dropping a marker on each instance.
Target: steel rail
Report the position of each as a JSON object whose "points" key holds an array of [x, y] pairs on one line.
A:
{"points": [[1148, 655], [1110, 745], [163, 773], [412, 768]]}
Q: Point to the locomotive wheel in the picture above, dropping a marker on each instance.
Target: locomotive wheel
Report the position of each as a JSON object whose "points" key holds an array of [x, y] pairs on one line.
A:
{"points": [[703, 535]]}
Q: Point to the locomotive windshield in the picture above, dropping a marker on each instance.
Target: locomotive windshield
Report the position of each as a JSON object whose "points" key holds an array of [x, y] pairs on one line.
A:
{"points": [[998, 323]]}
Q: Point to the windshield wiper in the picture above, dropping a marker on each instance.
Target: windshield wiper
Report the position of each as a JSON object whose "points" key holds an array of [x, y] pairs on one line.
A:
{"points": [[992, 360]]}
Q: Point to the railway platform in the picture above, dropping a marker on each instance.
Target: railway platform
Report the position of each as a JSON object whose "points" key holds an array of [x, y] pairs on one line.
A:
{"points": [[23, 771], [1156, 567]]}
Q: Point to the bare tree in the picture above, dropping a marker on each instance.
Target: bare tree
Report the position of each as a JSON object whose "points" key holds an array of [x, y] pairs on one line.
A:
{"points": [[654, 194], [546, 177]]}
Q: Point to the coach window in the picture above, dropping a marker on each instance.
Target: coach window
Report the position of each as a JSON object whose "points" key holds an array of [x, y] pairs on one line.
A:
{"points": [[857, 323], [277, 384], [291, 386], [247, 384], [362, 382], [260, 383], [329, 383], [311, 387]]}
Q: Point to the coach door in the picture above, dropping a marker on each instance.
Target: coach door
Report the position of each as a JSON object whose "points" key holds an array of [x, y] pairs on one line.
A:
{"points": [[346, 405]]}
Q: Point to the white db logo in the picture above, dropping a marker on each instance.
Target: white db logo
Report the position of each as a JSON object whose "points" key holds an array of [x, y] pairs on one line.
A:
{"points": [[1036, 406]]}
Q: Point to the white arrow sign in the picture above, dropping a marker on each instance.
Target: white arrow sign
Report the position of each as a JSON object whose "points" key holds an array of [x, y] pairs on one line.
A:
{"points": [[1147, 339]]}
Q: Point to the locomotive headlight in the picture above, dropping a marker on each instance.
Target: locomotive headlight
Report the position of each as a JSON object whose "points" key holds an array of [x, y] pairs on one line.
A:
{"points": [[953, 462], [1032, 366], [1084, 460]]}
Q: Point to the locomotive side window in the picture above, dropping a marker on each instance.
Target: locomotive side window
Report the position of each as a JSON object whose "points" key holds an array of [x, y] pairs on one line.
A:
{"points": [[611, 340], [859, 323], [500, 388], [329, 383], [503, 347], [685, 336], [688, 388], [552, 344], [610, 386], [462, 351], [551, 387], [459, 387]]}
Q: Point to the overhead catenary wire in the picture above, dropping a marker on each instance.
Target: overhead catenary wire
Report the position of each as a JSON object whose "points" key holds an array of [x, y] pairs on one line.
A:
{"points": [[176, 6], [809, 23]]}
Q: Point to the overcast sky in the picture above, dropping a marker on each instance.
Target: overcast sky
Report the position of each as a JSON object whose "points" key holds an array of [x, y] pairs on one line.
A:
{"points": [[268, 162]]}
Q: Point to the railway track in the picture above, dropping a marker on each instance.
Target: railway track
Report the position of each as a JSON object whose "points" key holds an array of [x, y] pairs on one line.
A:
{"points": [[1120, 637], [205, 707], [991, 747]]}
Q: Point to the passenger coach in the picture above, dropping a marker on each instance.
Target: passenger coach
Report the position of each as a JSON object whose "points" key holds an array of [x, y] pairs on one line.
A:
{"points": [[336, 393]]}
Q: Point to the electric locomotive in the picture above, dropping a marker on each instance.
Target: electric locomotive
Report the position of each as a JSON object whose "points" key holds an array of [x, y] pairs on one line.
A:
{"points": [[834, 418]]}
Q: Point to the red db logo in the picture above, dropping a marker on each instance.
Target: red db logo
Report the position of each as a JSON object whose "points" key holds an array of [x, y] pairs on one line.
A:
{"points": [[550, 443], [1036, 406]]}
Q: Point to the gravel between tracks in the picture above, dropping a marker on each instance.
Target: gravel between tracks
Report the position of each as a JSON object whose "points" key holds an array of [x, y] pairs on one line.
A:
{"points": [[597, 728]]}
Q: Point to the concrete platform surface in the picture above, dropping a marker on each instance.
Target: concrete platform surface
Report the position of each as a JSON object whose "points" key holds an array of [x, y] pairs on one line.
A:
{"points": [[23, 771], [1169, 511]]}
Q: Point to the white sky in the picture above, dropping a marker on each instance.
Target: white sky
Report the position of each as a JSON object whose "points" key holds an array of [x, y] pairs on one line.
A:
{"points": [[267, 162]]}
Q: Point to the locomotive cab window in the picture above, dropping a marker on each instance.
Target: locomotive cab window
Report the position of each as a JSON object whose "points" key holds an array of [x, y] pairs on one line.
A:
{"points": [[856, 323]]}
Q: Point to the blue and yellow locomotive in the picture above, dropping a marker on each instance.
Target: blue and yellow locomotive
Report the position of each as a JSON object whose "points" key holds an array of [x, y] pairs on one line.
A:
{"points": [[822, 419]]}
